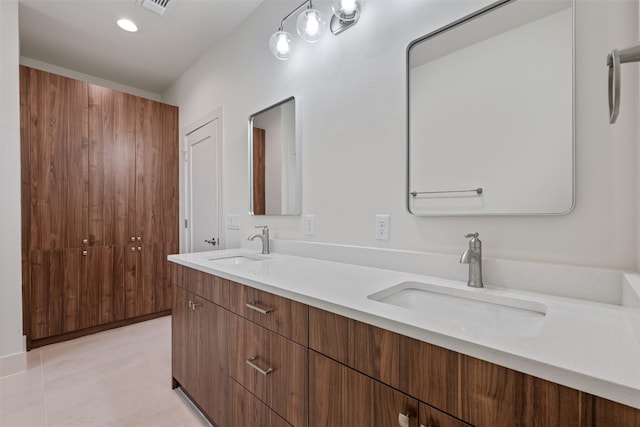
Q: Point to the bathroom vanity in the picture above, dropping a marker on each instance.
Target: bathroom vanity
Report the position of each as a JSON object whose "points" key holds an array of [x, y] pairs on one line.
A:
{"points": [[280, 340]]}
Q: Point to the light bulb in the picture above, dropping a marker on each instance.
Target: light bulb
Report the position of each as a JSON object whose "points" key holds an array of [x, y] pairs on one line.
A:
{"points": [[311, 25], [346, 10], [280, 45]]}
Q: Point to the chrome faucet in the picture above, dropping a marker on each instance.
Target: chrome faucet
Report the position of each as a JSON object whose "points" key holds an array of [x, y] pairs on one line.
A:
{"points": [[473, 257], [264, 237]]}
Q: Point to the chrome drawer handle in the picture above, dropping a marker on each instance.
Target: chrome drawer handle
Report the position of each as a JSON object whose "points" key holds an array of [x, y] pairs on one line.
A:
{"points": [[256, 367], [253, 306], [403, 419]]}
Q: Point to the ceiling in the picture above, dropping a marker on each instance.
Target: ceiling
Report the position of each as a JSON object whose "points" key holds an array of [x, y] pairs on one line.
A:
{"points": [[81, 35]]}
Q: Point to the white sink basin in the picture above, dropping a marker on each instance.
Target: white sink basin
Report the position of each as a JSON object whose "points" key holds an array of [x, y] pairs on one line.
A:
{"points": [[235, 259], [482, 308]]}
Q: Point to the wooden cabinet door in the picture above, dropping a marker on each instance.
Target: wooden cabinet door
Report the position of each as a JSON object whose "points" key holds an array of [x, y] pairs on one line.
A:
{"points": [[184, 335], [342, 397], [157, 182], [247, 410], [111, 166], [491, 395], [212, 360], [58, 161], [97, 297]]}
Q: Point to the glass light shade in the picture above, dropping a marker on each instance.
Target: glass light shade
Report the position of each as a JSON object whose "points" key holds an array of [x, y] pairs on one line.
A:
{"points": [[280, 45], [346, 10], [311, 25]]}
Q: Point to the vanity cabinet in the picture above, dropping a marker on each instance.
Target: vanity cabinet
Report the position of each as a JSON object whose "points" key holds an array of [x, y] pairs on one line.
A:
{"points": [[100, 191], [281, 363]]}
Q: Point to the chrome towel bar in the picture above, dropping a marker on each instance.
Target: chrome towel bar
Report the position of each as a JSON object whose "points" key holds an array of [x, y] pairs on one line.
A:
{"points": [[614, 59], [474, 190]]}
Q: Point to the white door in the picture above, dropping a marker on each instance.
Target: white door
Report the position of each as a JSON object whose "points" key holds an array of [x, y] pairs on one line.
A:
{"points": [[203, 230]]}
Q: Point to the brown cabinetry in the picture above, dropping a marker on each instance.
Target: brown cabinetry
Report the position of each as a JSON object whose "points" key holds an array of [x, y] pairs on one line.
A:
{"points": [[85, 187], [350, 373], [342, 397], [200, 352], [271, 367]]}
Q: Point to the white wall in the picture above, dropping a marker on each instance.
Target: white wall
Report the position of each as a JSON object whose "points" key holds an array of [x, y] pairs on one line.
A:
{"points": [[11, 341], [39, 65], [351, 90]]}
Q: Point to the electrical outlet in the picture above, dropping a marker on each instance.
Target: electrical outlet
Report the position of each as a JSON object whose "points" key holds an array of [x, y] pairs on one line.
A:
{"points": [[382, 227], [309, 225], [233, 222]]}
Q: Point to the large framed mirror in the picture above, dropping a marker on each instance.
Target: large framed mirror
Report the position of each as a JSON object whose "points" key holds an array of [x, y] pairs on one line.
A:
{"points": [[491, 113], [274, 160]]}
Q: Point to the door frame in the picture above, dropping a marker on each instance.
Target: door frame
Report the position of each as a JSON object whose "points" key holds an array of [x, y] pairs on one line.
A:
{"points": [[184, 176]]}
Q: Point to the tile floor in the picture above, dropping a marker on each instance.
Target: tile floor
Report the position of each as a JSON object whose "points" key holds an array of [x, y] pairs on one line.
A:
{"points": [[120, 377]]}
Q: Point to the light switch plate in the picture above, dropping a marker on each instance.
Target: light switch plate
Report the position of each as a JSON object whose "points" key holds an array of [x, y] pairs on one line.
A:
{"points": [[382, 227], [233, 222], [309, 225]]}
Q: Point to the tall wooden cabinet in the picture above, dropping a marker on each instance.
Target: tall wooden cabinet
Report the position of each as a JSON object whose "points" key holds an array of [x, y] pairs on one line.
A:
{"points": [[99, 206]]}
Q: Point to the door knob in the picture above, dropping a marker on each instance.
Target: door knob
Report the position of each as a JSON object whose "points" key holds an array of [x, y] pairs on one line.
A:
{"points": [[213, 241]]}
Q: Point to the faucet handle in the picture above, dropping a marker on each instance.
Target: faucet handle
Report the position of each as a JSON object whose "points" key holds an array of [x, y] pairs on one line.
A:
{"points": [[472, 235], [261, 226]]}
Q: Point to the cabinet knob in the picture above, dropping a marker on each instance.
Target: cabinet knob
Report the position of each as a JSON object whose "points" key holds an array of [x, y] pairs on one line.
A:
{"points": [[85, 241], [84, 253], [139, 248], [133, 249], [403, 419], [133, 239], [139, 239]]}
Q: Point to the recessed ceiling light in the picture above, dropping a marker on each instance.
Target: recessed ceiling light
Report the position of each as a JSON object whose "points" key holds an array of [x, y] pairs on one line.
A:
{"points": [[127, 25]]}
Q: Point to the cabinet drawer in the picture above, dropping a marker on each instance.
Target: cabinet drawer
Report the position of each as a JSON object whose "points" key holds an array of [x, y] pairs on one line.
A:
{"points": [[342, 397], [282, 315], [247, 410], [271, 367], [207, 286], [419, 369]]}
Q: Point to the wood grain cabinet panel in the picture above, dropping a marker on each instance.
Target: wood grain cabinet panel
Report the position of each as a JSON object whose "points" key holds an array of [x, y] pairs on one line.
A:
{"points": [[58, 161], [341, 397], [432, 417], [494, 396], [200, 353], [247, 410], [111, 166], [99, 172], [430, 373], [281, 315], [271, 367]]}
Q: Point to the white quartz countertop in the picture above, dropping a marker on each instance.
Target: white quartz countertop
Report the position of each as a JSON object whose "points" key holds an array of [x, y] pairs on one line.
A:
{"points": [[590, 346]]}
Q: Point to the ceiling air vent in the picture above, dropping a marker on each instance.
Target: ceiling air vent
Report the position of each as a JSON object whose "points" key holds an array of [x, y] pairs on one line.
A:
{"points": [[157, 6]]}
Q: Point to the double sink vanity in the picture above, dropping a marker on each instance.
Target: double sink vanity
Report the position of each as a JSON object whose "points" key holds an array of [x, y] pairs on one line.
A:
{"points": [[284, 340]]}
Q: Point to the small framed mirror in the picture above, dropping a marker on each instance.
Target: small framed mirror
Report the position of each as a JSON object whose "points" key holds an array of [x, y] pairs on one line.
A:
{"points": [[491, 113], [274, 161]]}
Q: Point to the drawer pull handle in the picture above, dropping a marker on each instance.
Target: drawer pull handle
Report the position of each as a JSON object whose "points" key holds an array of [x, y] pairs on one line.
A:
{"points": [[258, 368], [403, 420], [253, 306]]}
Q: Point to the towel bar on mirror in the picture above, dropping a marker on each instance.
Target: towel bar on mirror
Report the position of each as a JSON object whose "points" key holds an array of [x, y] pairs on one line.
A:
{"points": [[475, 190], [614, 59]]}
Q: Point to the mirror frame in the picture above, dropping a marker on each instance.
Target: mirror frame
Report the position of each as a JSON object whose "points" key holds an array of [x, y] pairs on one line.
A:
{"points": [[298, 159], [480, 12]]}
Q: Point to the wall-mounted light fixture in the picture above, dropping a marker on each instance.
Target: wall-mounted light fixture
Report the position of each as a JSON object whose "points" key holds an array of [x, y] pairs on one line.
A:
{"points": [[311, 25]]}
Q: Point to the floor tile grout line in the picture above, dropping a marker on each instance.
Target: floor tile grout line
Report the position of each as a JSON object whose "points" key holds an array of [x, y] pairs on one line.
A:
{"points": [[44, 390]]}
